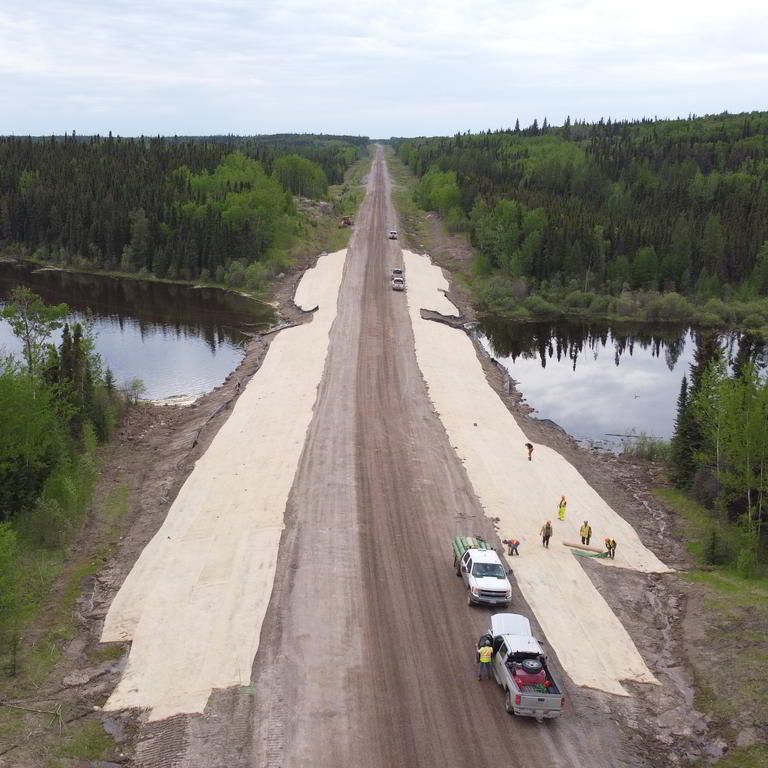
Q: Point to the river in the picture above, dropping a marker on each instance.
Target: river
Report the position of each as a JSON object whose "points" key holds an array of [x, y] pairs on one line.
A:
{"points": [[179, 340], [599, 381]]}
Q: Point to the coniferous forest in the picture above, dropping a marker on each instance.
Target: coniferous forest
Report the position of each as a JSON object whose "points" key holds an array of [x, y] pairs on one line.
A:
{"points": [[181, 207], [674, 205]]}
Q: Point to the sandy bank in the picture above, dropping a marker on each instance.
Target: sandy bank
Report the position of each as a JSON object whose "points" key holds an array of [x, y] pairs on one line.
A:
{"points": [[194, 603], [590, 642]]}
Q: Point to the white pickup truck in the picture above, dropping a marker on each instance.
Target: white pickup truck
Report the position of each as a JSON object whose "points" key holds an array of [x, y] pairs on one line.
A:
{"points": [[520, 668], [479, 566]]}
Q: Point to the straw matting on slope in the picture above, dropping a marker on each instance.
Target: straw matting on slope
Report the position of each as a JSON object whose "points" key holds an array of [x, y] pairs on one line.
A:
{"points": [[194, 603], [590, 641]]}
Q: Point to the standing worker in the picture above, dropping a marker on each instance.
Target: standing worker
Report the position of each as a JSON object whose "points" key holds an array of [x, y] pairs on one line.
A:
{"points": [[529, 446], [610, 545], [562, 504], [484, 657], [546, 534], [585, 532]]}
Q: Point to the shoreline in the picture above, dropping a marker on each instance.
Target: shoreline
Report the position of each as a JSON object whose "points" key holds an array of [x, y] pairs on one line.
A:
{"points": [[148, 278]]}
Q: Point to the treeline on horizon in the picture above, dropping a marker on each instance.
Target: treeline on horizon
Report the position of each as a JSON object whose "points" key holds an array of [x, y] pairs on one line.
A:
{"points": [[656, 205], [176, 207]]}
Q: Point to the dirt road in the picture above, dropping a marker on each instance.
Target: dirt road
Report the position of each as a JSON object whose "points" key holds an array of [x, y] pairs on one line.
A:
{"points": [[366, 651]]}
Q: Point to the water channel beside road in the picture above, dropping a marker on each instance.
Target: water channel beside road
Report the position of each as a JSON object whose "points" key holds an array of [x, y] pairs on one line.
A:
{"points": [[181, 341], [597, 380]]}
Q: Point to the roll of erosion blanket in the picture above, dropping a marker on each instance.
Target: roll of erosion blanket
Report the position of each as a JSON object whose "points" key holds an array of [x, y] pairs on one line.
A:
{"points": [[589, 554], [583, 546]]}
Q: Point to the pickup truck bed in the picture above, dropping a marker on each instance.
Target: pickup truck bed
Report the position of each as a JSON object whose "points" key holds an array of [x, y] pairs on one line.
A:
{"points": [[513, 646]]}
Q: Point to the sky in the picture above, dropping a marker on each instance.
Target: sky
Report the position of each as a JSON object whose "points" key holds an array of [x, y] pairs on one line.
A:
{"points": [[376, 69]]}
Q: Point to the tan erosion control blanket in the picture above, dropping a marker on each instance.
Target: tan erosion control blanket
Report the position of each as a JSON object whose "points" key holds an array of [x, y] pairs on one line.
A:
{"points": [[590, 641], [194, 603]]}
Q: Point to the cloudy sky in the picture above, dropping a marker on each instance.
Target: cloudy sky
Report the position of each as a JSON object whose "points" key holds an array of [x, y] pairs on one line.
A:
{"points": [[372, 68]]}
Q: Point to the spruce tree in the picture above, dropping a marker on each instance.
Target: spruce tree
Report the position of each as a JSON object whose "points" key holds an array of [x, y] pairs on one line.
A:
{"points": [[682, 459]]}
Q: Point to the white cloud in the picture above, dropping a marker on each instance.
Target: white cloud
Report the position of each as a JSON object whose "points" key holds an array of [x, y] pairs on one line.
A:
{"points": [[438, 66]]}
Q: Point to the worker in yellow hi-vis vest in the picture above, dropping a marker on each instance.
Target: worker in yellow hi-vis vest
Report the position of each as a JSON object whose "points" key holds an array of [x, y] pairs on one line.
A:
{"points": [[484, 658], [562, 504]]}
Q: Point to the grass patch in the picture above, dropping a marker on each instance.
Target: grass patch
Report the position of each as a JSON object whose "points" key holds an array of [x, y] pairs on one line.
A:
{"points": [[734, 620], [11, 726], [733, 617], [642, 446], [86, 741], [755, 756], [709, 537], [107, 652], [35, 661], [53, 584]]}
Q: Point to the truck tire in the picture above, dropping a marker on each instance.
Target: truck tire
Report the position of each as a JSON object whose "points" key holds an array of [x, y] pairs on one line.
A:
{"points": [[508, 703]]}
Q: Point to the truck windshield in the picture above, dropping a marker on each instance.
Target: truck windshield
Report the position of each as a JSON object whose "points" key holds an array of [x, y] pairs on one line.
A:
{"points": [[488, 569]]}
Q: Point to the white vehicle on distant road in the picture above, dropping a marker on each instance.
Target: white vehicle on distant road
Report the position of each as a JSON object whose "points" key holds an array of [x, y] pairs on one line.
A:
{"points": [[393, 234], [398, 283]]}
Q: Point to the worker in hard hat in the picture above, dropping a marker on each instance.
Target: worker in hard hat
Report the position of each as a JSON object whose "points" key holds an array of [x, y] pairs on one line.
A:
{"points": [[585, 532], [484, 659], [610, 545], [561, 505]]}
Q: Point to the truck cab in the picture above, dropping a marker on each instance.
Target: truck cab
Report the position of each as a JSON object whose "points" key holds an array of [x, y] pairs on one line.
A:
{"points": [[520, 668], [485, 577]]}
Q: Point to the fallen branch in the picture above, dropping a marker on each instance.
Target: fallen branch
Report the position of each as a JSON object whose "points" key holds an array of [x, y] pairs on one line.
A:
{"points": [[28, 709]]}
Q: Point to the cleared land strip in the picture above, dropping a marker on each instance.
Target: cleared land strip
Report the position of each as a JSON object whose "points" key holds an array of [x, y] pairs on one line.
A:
{"points": [[590, 641], [195, 600]]}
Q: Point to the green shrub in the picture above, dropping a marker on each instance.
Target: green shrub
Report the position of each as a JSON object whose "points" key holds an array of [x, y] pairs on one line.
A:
{"points": [[754, 321], [538, 305], [669, 307], [600, 305], [706, 319], [643, 446], [578, 299], [717, 308]]}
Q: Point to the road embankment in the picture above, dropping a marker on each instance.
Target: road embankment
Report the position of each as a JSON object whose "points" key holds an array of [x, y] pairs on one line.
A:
{"points": [[590, 641], [195, 600]]}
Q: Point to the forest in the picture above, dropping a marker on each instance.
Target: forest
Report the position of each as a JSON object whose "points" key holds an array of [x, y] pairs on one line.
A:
{"points": [[178, 208], [674, 206], [719, 452], [58, 404]]}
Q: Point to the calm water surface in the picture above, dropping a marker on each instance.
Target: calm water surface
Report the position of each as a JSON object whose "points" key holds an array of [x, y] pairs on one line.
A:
{"points": [[595, 380], [180, 341]]}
